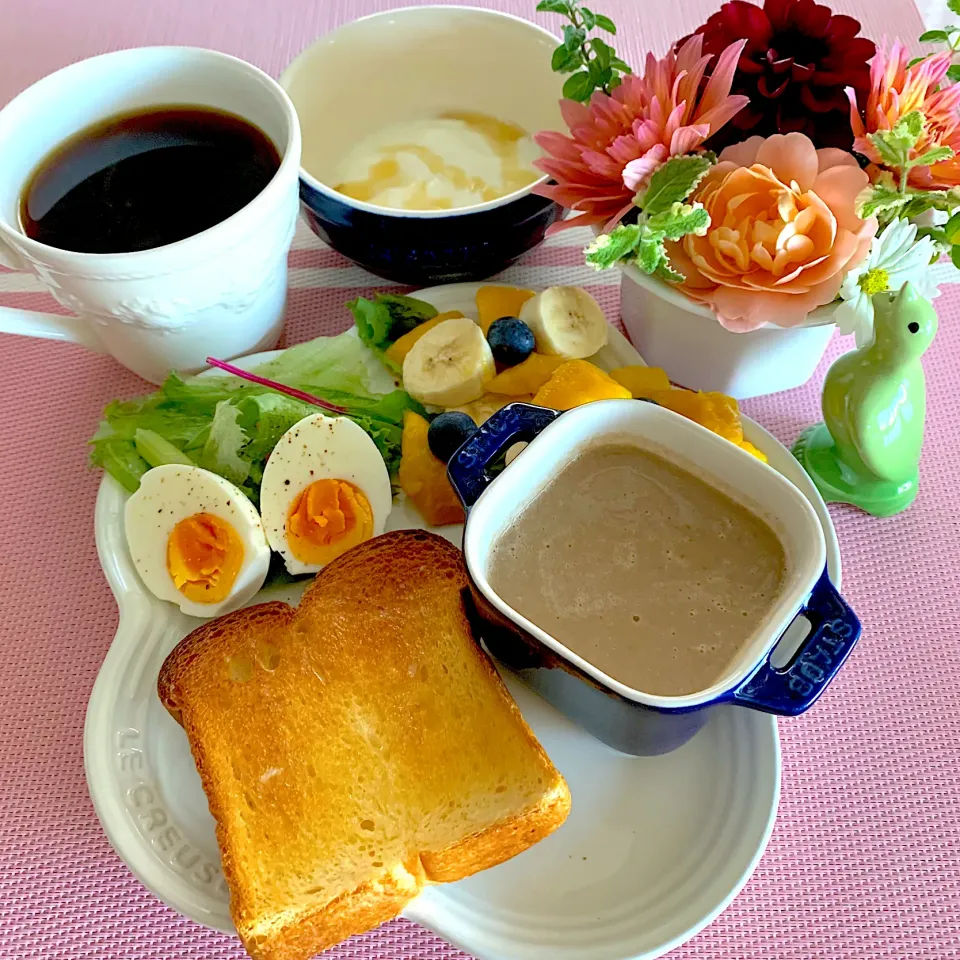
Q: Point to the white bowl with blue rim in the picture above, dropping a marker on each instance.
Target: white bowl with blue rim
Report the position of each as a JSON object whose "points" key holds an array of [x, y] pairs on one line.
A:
{"points": [[409, 64], [787, 658]]}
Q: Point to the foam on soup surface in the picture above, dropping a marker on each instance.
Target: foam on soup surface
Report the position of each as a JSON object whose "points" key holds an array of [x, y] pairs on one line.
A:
{"points": [[641, 568], [439, 163]]}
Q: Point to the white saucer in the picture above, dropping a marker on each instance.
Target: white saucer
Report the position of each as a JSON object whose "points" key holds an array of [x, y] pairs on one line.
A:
{"points": [[654, 849]]}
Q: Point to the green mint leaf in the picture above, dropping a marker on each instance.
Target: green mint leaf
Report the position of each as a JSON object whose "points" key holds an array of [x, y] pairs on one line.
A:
{"points": [[553, 6], [600, 77], [933, 36], [955, 255], [937, 235], [912, 123], [951, 229], [953, 74], [578, 86], [880, 198], [947, 201], [954, 6], [565, 61], [605, 23], [573, 37], [917, 203], [673, 182], [892, 154], [651, 254], [588, 18], [679, 220], [610, 248], [936, 155], [601, 52], [652, 258], [615, 82], [666, 272], [894, 145], [915, 61], [618, 64]]}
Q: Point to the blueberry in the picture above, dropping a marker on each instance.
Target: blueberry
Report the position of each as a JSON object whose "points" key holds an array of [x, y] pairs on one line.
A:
{"points": [[447, 432], [511, 341]]}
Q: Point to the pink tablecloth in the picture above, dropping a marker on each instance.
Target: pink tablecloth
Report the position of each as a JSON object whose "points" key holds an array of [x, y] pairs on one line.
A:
{"points": [[865, 860]]}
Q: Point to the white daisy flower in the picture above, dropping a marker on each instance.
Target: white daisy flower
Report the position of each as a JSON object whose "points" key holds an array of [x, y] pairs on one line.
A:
{"points": [[895, 257]]}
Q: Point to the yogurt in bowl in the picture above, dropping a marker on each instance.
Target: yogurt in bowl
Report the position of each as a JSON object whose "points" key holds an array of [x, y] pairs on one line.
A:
{"points": [[453, 160], [417, 140]]}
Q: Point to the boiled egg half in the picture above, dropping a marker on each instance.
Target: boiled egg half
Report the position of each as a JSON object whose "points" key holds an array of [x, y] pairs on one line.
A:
{"points": [[325, 489], [196, 540]]}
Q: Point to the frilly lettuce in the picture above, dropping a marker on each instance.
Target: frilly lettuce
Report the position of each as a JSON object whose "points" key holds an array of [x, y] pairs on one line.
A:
{"points": [[230, 426]]}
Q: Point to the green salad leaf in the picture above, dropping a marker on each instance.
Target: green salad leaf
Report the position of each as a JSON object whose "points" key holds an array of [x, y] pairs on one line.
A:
{"points": [[230, 426], [387, 317], [223, 451], [121, 460], [373, 322], [156, 450]]}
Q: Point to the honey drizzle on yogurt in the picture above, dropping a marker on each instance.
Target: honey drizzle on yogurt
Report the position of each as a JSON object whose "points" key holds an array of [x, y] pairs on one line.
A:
{"points": [[503, 139]]}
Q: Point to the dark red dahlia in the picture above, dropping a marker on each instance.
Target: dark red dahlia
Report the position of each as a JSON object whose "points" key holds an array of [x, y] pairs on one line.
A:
{"points": [[799, 58]]}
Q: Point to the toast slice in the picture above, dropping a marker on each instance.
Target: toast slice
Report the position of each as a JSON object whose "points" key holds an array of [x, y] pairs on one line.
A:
{"points": [[357, 747]]}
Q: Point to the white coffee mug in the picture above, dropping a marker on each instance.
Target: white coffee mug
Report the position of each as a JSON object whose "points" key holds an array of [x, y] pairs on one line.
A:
{"points": [[221, 292]]}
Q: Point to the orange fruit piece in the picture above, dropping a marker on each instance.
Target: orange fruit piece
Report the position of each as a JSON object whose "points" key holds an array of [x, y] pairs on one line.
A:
{"points": [[753, 451], [715, 411], [496, 302], [526, 377], [576, 382], [423, 478], [641, 380]]}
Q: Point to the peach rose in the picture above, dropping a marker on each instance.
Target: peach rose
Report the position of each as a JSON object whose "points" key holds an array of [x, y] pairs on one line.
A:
{"points": [[783, 231]]}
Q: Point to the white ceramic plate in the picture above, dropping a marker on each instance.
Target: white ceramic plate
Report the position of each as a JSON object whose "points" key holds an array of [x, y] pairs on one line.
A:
{"points": [[653, 850]]}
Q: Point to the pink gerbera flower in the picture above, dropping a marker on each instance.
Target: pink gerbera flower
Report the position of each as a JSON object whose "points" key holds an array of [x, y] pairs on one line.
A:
{"points": [[896, 90], [616, 142]]}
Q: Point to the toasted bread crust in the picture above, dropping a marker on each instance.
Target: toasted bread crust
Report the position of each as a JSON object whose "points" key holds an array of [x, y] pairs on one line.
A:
{"points": [[381, 602], [219, 633]]}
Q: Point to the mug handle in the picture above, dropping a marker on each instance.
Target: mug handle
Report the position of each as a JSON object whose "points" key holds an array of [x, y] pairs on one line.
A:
{"points": [[790, 691], [48, 326], [468, 470]]}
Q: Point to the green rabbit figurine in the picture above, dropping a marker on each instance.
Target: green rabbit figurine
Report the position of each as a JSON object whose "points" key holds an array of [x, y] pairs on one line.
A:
{"points": [[867, 452]]}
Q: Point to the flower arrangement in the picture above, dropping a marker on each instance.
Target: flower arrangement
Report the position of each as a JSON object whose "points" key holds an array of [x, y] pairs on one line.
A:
{"points": [[771, 163]]}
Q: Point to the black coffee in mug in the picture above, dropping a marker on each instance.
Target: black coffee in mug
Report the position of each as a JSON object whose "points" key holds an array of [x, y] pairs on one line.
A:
{"points": [[145, 179]]}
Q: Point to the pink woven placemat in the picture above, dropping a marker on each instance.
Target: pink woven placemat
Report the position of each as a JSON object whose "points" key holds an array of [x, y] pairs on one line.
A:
{"points": [[865, 861]]}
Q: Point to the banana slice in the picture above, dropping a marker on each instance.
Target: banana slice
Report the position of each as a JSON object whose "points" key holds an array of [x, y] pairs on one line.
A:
{"points": [[567, 322], [449, 365]]}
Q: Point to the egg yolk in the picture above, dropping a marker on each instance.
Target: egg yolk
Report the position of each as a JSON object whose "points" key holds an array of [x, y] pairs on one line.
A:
{"points": [[204, 556], [327, 519]]}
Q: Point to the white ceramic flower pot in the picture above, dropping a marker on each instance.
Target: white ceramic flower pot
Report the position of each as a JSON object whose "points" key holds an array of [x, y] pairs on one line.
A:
{"points": [[685, 339]]}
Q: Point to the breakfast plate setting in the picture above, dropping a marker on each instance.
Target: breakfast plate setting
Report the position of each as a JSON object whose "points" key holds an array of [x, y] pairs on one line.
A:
{"points": [[654, 847], [479, 613]]}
